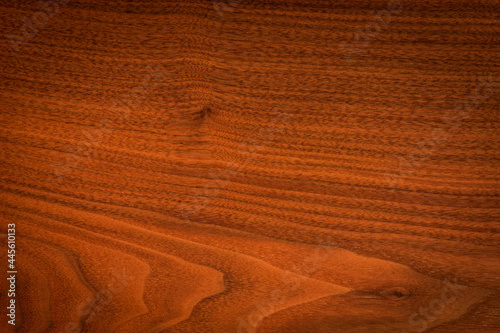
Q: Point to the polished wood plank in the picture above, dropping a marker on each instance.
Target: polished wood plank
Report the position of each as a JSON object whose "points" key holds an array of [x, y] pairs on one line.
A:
{"points": [[251, 166]]}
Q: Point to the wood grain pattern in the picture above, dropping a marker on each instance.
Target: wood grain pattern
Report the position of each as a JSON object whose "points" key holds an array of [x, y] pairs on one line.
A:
{"points": [[251, 166]]}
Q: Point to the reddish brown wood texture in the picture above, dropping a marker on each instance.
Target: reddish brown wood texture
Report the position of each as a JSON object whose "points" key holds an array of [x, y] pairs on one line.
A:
{"points": [[282, 166]]}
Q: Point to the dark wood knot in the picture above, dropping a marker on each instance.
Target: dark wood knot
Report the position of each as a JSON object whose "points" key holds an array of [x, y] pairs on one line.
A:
{"points": [[395, 293], [206, 112]]}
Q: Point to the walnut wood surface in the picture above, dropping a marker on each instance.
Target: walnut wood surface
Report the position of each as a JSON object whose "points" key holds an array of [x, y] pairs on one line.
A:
{"points": [[279, 168]]}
